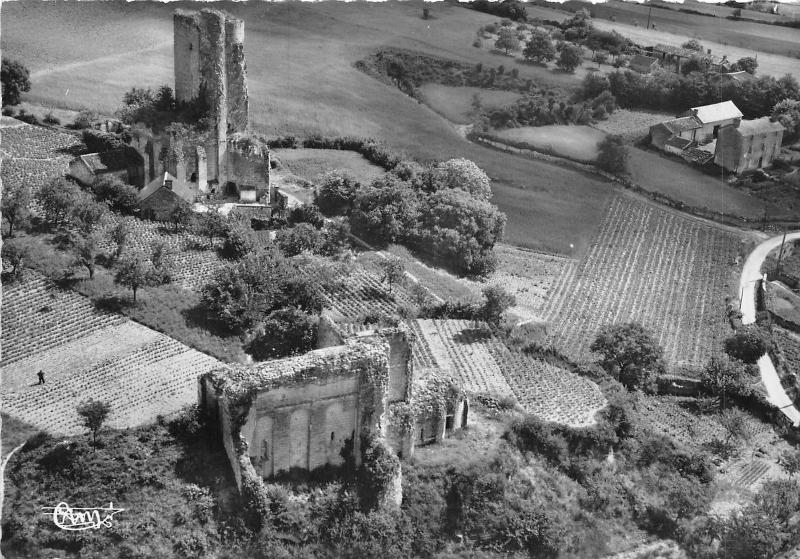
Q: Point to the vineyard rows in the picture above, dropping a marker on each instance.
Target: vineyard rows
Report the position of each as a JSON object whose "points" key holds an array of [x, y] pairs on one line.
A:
{"points": [[484, 364], [664, 270], [37, 142], [34, 173], [361, 293], [37, 317], [157, 378]]}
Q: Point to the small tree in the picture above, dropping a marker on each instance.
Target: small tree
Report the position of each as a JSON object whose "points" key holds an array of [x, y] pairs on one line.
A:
{"points": [[336, 193], [58, 199], [162, 257], [394, 271], [88, 214], [134, 272], [294, 240], [86, 250], [498, 301], [507, 40], [571, 57], [426, 13], [790, 462], [120, 234], [539, 48], [787, 112], [239, 242], [15, 251], [723, 376], [119, 196], [212, 225], [15, 202], [15, 80], [612, 154], [285, 332], [748, 344], [181, 215], [93, 414], [734, 421], [630, 354], [737, 13]]}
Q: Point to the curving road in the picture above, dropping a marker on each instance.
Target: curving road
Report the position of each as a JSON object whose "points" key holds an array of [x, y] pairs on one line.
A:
{"points": [[769, 376]]}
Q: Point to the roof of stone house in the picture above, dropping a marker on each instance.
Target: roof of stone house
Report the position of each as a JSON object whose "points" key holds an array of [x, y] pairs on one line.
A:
{"points": [[110, 161], [641, 63], [183, 190], [251, 210], [682, 124], [678, 142], [717, 112], [758, 126], [698, 156]]}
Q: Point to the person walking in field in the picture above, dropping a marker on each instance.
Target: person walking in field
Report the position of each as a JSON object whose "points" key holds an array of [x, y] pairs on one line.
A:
{"points": [[40, 374]]}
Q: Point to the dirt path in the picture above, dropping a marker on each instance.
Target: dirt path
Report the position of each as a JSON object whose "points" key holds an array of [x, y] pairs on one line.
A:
{"points": [[98, 60], [769, 376]]}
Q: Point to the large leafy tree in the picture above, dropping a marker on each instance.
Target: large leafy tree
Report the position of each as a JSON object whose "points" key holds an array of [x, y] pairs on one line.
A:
{"points": [[336, 193], [119, 196], [295, 240], [787, 112], [58, 199], [539, 48], [15, 79], [629, 353], [285, 332], [386, 210]]}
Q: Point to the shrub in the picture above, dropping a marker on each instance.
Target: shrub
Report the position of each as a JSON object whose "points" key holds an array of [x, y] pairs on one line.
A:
{"points": [[286, 332], [239, 242], [748, 344], [294, 240], [612, 154], [336, 194], [630, 354], [50, 118]]}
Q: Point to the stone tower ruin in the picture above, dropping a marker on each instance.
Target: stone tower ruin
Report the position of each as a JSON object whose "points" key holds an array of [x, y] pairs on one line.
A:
{"points": [[209, 65]]}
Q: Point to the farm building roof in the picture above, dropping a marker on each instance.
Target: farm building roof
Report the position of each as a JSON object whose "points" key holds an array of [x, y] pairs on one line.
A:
{"points": [[678, 142], [759, 126], [110, 161], [717, 112], [641, 63], [183, 190], [678, 125], [694, 155], [739, 77]]}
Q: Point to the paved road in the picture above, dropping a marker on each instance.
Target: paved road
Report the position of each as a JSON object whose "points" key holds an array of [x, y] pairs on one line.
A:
{"points": [[769, 376]]}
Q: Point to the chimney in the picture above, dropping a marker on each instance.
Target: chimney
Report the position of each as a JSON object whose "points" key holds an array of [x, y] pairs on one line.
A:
{"points": [[168, 184]]}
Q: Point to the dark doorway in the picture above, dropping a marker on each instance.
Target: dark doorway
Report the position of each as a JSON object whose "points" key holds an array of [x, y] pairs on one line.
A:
{"points": [[465, 414], [448, 423], [230, 188]]}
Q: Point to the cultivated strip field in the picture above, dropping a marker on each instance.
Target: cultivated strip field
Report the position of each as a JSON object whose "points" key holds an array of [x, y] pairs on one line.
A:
{"points": [[469, 352], [665, 270], [87, 354]]}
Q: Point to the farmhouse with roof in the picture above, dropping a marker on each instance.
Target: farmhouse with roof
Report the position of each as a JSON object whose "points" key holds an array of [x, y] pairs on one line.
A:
{"points": [[739, 145], [751, 145], [643, 64]]}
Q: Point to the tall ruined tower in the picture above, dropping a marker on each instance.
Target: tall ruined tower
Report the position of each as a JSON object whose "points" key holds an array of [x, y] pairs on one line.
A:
{"points": [[209, 62]]}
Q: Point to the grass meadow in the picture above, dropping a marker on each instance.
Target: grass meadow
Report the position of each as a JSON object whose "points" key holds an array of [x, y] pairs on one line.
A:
{"points": [[574, 142], [455, 103]]}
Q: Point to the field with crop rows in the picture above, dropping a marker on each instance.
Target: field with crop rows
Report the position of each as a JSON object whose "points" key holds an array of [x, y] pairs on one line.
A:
{"points": [[665, 270], [485, 365], [87, 354], [33, 155], [361, 293]]}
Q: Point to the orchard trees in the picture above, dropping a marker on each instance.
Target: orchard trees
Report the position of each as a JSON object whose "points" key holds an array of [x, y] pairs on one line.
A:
{"points": [[539, 48]]}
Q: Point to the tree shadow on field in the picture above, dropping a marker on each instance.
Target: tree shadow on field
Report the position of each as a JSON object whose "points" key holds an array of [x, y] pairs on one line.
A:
{"points": [[198, 317], [469, 336], [114, 303]]}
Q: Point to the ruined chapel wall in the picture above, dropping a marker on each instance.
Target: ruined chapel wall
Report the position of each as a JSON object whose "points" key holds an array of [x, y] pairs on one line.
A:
{"points": [[212, 61]]}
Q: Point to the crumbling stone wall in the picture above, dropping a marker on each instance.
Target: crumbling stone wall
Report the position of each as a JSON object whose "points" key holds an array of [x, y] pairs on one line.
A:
{"points": [[299, 412], [247, 165]]}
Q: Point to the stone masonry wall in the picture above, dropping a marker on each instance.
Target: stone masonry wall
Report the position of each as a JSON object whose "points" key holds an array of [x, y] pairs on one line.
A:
{"points": [[186, 55], [236, 75]]}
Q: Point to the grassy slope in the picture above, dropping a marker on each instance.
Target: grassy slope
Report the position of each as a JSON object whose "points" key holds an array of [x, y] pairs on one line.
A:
{"points": [[656, 172], [574, 142]]}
